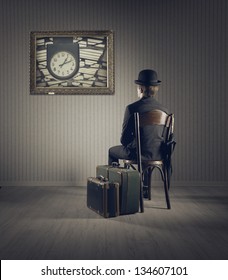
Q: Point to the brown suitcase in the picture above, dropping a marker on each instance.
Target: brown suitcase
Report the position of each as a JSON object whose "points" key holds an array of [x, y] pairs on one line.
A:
{"points": [[103, 197]]}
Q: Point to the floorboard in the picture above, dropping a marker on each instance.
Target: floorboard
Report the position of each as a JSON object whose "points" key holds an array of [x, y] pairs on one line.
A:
{"points": [[55, 223]]}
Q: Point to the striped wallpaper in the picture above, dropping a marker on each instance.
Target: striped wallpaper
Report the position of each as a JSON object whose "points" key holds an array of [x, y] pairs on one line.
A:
{"points": [[59, 140]]}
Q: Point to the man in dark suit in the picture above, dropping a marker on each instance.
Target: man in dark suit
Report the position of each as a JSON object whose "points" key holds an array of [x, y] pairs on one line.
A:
{"points": [[148, 86]]}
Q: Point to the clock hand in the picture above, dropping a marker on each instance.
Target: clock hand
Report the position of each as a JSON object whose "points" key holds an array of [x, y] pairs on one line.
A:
{"points": [[64, 62], [68, 61]]}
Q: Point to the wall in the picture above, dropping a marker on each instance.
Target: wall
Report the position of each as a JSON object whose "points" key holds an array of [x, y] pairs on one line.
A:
{"points": [[49, 140]]}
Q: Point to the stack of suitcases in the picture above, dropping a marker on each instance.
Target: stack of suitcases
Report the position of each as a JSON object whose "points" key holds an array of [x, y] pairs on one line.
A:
{"points": [[114, 191]]}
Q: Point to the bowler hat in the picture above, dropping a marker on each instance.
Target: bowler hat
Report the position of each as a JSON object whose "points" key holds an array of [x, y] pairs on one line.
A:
{"points": [[148, 77]]}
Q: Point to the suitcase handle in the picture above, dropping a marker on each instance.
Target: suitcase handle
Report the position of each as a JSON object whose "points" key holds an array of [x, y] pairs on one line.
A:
{"points": [[115, 164], [102, 178]]}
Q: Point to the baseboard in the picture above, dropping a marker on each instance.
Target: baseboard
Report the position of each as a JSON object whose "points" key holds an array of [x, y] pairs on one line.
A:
{"points": [[83, 183], [42, 184], [199, 184]]}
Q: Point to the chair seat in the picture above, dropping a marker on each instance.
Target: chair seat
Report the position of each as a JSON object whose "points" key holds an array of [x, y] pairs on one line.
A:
{"points": [[144, 162], [152, 162]]}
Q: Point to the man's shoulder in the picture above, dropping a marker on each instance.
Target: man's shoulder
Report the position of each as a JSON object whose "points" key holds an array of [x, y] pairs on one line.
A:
{"points": [[133, 106], [146, 104]]}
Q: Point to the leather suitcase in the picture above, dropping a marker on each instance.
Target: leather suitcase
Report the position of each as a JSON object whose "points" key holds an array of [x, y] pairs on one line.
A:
{"points": [[129, 182], [103, 170], [103, 197]]}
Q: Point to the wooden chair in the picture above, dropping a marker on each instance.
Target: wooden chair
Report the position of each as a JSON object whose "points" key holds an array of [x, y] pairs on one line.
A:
{"points": [[155, 117]]}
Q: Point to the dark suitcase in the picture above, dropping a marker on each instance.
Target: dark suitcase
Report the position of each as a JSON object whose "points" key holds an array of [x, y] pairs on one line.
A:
{"points": [[103, 197], [129, 182], [103, 170]]}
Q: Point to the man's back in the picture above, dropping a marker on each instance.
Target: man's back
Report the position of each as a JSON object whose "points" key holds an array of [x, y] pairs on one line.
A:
{"points": [[151, 136]]}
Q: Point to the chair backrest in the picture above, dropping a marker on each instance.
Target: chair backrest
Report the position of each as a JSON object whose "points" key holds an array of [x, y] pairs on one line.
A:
{"points": [[158, 117], [155, 117]]}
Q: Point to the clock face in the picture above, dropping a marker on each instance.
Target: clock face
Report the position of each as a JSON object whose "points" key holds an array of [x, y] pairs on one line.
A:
{"points": [[63, 65]]}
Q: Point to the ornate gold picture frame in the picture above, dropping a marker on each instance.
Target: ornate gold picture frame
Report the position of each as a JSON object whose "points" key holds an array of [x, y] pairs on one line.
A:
{"points": [[71, 62]]}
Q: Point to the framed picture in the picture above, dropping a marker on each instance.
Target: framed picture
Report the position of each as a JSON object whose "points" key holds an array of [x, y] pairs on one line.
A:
{"points": [[74, 62]]}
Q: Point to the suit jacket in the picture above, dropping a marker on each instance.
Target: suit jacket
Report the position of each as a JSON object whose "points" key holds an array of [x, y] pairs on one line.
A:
{"points": [[151, 136]]}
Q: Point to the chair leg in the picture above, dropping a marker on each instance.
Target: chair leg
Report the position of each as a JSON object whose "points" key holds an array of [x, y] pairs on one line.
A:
{"points": [[168, 178], [166, 190], [149, 182], [165, 180], [141, 204]]}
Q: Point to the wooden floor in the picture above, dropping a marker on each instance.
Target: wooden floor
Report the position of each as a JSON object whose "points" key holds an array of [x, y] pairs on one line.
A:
{"points": [[54, 223]]}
